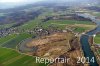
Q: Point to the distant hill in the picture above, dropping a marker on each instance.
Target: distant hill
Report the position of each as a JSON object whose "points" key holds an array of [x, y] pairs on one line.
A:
{"points": [[74, 2], [45, 2], [19, 15]]}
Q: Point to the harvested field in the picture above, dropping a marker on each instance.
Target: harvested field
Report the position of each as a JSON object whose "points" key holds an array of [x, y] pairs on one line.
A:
{"points": [[52, 45]]}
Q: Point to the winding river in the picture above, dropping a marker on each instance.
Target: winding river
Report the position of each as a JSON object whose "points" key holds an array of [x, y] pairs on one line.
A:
{"points": [[85, 44]]}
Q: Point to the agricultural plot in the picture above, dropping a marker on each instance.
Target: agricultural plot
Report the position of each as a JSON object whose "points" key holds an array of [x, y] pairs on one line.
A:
{"points": [[30, 25], [10, 57], [97, 39], [7, 38], [13, 42], [76, 26], [96, 14], [69, 22]]}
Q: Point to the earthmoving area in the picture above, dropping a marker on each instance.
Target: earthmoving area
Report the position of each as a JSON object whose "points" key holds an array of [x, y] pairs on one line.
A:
{"points": [[55, 45]]}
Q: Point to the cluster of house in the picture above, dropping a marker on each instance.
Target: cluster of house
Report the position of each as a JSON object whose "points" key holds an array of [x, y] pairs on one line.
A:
{"points": [[39, 31], [7, 31]]}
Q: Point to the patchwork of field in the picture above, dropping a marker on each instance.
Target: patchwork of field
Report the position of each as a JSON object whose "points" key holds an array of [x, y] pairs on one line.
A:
{"points": [[30, 25], [9, 57], [11, 41], [76, 26], [50, 46], [6, 38]]}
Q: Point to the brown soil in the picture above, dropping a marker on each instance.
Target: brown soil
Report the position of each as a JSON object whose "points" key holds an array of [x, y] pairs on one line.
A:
{"points": [[53, 46]]}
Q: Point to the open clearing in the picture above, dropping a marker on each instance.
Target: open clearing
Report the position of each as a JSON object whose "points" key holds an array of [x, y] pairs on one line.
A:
{"points": [[51, 46]]}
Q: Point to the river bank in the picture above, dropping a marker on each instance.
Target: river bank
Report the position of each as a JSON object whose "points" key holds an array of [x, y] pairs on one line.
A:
{"points": [[94, 48], [88, 48]]}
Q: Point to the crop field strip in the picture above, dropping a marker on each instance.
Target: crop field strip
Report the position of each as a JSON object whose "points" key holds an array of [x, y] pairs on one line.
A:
{"points": [[13, 41], [10, 57], [7, 38]]}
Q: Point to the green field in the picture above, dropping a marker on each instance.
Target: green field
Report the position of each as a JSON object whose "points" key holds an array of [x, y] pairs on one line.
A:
{"points": [[13, 40], [7, 38], [80, 29], [10, 57], [6, 25], [61, 24], [97, 14], [29, 25], [97, 39], [98, 51], [69, 22]]}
